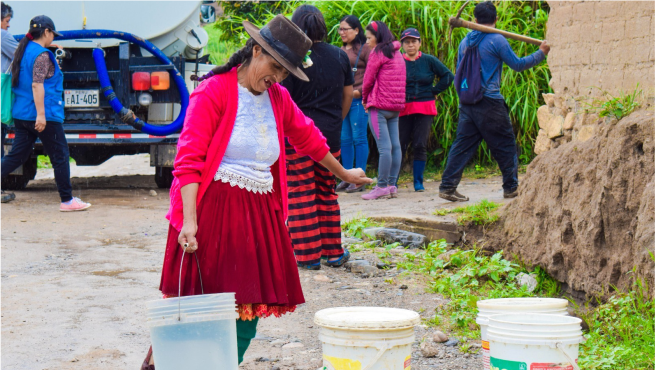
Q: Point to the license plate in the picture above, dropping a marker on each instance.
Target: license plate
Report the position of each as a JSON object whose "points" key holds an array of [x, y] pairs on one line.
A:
{"points": [[81, 98]]}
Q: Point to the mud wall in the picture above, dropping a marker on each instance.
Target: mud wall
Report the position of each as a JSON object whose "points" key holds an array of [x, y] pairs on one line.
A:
{"points": [[596, 47], [585, 210]]}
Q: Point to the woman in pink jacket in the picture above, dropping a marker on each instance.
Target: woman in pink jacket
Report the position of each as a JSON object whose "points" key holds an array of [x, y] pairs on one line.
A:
{"points": [[229, 196], [383, 94]]}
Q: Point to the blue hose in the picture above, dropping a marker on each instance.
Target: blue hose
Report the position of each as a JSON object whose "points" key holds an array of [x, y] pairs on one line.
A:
{"points": [[103, 77]]}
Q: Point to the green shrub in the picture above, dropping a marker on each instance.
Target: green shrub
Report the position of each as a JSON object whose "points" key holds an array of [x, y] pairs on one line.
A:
{"points": [[522, 91]]}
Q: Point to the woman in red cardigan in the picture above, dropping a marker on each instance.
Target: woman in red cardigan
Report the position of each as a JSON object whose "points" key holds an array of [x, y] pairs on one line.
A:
{"points": [[229, 195]]}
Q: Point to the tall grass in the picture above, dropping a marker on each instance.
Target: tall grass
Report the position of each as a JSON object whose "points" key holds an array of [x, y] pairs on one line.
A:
{"points": [[522, 91]]}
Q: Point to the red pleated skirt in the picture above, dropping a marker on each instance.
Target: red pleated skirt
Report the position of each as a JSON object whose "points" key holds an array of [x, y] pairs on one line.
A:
{"points": [[243, 247]]}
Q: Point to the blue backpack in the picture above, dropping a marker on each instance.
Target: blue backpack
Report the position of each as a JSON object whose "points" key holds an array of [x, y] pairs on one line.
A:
{"points": [[468, 76]]}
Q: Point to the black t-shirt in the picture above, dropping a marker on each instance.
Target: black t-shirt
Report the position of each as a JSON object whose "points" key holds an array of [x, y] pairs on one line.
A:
{"points": [[321, 97]]}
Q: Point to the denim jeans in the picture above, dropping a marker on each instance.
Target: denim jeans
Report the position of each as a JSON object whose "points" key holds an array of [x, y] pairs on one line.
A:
{"points": [[487, 120], [385, 127], [354, 137], [54, 142]]}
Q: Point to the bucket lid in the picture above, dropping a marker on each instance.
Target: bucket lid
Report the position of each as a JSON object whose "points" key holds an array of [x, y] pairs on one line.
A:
{"points": [[366, 318], [522, 304]]}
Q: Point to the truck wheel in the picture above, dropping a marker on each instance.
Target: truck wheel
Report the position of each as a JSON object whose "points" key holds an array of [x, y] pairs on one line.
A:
{"points": [[163, 177], [19, 182]]}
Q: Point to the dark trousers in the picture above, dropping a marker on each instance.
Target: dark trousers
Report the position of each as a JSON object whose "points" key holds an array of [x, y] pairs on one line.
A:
{"points": [[488, 120], [4, 136], [415, 128], [55, 145]]}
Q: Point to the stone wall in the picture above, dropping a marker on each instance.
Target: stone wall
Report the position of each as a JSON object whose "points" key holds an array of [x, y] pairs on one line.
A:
{"points": [[596, 47]]}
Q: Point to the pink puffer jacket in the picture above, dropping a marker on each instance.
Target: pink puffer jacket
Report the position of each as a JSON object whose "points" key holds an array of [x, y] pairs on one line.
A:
{"points": [[384, 81]]}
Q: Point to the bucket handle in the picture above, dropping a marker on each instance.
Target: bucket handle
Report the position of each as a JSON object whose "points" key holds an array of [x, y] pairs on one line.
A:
{"points": [[381, 350], [559, 345], [202, 291]]}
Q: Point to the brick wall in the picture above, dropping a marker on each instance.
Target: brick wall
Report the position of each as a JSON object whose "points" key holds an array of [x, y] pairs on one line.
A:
{"points": [[607, 45], [596, 46]]}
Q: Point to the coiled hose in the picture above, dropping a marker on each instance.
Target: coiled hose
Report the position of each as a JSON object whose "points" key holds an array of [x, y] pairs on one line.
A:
{"points": [[126, 114]]}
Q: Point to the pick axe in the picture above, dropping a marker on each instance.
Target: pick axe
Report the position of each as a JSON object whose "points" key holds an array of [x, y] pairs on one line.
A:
{"points": [[455, 22]]}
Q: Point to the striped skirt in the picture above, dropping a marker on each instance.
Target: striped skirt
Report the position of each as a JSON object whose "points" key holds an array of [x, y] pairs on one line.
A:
{"points": [[314, 217]]}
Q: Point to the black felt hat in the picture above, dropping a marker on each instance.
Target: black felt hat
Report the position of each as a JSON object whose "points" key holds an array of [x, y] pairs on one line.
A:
{"points": [[284, 41]]}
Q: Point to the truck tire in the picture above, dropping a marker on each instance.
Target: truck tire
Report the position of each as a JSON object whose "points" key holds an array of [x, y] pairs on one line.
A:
{"points": [[19, 182], [163, 177]]}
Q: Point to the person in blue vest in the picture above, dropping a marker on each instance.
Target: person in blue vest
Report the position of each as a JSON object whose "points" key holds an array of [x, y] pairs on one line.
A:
{"points": [[38, 108], [488, 119]]}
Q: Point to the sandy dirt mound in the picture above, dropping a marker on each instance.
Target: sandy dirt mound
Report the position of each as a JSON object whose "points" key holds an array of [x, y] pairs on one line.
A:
{"points": [[586, 209]]}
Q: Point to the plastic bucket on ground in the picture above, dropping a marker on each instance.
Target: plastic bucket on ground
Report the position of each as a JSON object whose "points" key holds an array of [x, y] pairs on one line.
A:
{"points": [[489, 307], [532, 341], [200, 333], [366, 338]]}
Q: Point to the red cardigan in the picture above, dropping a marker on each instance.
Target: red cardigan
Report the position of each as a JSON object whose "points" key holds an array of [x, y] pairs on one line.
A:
{"points": [[207, 129]]}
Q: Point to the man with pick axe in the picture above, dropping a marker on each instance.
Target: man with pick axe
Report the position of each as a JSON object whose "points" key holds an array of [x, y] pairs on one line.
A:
{"points": [[483, 111]]}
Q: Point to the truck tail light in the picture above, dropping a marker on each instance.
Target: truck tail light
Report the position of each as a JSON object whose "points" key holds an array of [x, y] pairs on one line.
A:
{"points": [[141, 81], [160, 80]]}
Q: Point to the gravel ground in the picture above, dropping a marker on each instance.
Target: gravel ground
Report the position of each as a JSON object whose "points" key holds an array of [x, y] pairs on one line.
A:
{"points": [[74, 286]]}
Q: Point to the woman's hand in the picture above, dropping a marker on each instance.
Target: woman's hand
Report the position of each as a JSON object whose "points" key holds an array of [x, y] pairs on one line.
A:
{"points": [[188, 237], [356, 176], [356, 94], [40, 123]]}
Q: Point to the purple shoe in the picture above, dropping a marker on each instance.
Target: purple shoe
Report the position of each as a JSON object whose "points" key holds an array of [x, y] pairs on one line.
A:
{"points": [[377, 193], [394, 191]]}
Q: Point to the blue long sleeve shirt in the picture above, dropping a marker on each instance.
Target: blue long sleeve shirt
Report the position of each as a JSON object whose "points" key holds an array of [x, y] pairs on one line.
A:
{"points": [[495, 50]]}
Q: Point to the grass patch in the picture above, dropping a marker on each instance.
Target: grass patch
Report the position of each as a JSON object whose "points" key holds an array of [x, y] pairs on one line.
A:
{"points": [[43, 161], [355, 226], [616, 106], [466, 276], [621, 334], [621, 330], [481, 213]]}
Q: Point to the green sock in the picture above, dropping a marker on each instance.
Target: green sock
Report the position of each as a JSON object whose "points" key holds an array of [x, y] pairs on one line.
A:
{"points": [[246, 331]]}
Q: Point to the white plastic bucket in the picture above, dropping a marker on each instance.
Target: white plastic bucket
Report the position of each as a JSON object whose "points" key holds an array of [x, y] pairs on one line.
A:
{"points": [[200, 333], [518, 306], [366, 338], [534, 341]]}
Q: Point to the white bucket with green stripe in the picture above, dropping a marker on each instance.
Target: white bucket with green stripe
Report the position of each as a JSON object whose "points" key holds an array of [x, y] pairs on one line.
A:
{"points": [[532, 341]]}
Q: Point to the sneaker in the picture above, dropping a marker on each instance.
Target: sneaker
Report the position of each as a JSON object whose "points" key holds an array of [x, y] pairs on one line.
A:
{"points": [[453, 196], [7, 197], [311, 267], [394, 191], [377, 193], [352, 188], [510, 194], [342, 186], [75, 204]]}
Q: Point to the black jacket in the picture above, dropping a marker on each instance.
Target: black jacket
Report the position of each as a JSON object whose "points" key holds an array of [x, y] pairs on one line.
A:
{"points": [[420, 76]]}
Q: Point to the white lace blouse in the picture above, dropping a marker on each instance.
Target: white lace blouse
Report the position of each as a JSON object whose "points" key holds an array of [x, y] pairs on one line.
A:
{"points": [[253, 145]]}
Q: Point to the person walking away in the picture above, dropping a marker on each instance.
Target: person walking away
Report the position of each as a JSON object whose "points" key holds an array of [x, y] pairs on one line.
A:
{"points": [[38, 110], [415, 121], [229, 193], [383, 94], [355, 146], [9, 45], [314, 214], [489, 118]]}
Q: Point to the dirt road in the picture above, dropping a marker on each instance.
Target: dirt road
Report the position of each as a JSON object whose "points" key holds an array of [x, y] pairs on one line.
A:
{"points": [[74, 286]]}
